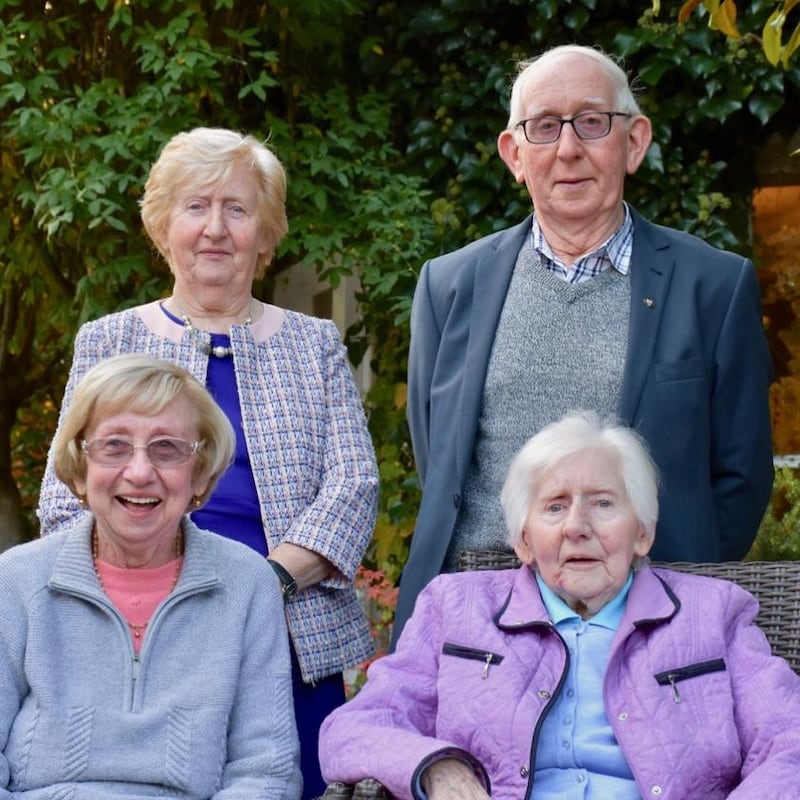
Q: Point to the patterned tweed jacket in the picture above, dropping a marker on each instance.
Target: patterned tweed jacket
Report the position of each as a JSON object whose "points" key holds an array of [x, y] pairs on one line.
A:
{"points": [[310, 452]]}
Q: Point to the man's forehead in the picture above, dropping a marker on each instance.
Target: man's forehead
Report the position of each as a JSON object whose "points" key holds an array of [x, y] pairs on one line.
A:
{"points": [[585, 84]]}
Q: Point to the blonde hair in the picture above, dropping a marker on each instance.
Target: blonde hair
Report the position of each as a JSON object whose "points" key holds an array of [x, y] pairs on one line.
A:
{"points": [[142, 385], [206, 156]]}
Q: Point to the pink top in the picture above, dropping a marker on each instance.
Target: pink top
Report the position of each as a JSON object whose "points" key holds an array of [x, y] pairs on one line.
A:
{"points": [[137, 592]]}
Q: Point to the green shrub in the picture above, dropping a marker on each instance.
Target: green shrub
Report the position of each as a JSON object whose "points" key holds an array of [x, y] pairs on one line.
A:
{"points": [[779, 535]]}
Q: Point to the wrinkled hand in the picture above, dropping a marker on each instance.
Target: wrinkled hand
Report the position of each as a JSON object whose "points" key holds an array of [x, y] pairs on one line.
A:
{"points": [[451, 779], [306, 567]]}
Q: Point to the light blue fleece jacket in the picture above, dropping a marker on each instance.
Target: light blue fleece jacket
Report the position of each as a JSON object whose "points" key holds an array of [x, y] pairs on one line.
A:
{"points": [[204, 712]]}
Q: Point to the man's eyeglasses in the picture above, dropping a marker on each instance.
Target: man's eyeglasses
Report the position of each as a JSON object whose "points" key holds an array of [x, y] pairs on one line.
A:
{"points": [[587, 125], [163, 452]]}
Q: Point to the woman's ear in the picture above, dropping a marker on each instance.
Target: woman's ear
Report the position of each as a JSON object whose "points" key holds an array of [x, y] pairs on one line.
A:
{"points": [[524, 549], [79, 489], [643, 541], [199, 488]]}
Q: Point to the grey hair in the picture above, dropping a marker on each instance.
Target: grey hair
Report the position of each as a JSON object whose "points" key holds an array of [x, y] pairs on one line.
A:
{"points": [[575, 433], [625, 100]]}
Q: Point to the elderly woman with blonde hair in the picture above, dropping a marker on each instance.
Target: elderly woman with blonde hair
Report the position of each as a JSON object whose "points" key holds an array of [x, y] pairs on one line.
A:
{"points": [[303, 487], [139, 655], [584, 673]]}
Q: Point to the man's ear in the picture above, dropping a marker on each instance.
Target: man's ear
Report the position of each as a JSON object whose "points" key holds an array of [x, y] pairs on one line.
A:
{"points": [[640, 135], [508, 148]]}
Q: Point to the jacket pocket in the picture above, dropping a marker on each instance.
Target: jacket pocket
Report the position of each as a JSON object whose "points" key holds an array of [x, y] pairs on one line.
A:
{"points": [[472, 653], [673, 677], [688, 369]]}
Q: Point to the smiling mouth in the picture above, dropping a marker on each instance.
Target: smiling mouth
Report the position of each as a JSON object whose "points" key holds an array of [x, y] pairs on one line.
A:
{"points": [[139, 502]]}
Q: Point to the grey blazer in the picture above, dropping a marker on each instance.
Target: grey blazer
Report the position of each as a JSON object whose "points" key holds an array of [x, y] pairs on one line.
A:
{"points": [[696, 386]]}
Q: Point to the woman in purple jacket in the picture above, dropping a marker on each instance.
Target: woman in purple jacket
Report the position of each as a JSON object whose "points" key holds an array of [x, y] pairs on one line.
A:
{"points": [[585, 673]]}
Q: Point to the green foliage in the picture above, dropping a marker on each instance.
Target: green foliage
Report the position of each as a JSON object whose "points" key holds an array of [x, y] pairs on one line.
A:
{"points": [[779, 535], [709, 99], [355, 211], [722, 16], [94, 91], [386, 116]]}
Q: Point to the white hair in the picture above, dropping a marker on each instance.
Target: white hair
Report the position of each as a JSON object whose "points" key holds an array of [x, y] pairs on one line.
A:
{"points": [[625, 100], [577, 432]]}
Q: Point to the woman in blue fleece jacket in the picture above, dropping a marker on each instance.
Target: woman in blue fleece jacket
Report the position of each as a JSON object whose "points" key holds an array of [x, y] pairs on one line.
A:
{"points": [[135, 661]]}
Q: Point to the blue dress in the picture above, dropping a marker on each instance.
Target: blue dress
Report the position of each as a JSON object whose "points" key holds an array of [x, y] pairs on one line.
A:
{"points": [[233, 511]]}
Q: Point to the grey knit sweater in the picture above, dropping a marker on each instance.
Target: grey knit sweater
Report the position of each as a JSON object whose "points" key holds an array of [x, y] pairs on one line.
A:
{"points": [[204, 712], [559, 347]]}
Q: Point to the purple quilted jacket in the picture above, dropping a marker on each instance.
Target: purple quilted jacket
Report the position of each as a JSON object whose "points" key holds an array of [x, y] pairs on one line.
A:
{"points": [[479, 664]]}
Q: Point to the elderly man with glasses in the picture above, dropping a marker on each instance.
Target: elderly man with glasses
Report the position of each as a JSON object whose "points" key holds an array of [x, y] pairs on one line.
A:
{"points": [[585, 304]]}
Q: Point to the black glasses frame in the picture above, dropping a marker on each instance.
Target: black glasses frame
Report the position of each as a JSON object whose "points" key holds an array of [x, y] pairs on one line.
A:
{"points": [[571, 121]]}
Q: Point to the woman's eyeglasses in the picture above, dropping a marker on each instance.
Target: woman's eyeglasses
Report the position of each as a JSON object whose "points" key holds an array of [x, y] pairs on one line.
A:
{"points": [[165, 451]]}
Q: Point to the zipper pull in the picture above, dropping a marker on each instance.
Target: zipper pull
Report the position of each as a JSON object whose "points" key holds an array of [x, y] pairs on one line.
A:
{"points": [[675, 695], [486, 663]]}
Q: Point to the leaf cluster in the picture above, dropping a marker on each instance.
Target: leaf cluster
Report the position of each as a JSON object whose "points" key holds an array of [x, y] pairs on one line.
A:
{"points": [[723, 17], [779, 535], [386, 116]]}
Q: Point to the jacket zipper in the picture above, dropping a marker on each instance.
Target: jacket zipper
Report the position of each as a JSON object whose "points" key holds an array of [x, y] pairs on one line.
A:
{"points": [[459, 651], [545, 711], [672, 677]]}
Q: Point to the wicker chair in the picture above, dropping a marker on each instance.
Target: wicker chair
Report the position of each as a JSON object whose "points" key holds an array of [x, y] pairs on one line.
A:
{"points": [[775, 584]]}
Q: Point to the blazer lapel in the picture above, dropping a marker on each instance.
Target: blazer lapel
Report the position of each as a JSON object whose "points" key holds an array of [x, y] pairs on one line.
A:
{"points": [[651, 273], [492, 276]]}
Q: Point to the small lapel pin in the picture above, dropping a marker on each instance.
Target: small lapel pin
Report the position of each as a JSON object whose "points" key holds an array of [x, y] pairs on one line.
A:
{"points": [[649, 302]]}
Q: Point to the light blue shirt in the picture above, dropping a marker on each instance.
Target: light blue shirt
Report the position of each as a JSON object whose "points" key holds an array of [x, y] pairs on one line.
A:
{"points": [[577, 756]]}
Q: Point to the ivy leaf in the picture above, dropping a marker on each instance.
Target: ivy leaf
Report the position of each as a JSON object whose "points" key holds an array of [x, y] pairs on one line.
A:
{"points": [[764, 106]]}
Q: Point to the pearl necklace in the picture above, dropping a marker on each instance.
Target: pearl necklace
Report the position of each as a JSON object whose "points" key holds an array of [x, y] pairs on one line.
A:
{"points": [[204, 347], [138, 628]]}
